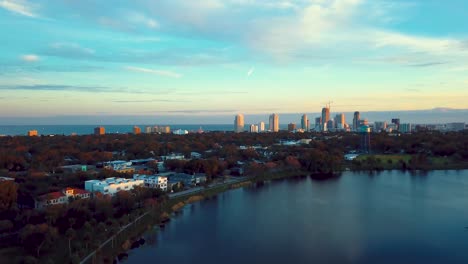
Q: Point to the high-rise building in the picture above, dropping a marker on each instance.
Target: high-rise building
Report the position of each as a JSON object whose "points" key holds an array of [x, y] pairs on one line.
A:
{"points": [[99, 131], [405, 128], [291, 127], [380, 126], [239, 123], [261, 126], [356, 119], [325, 116], [148, 130], [318, 124], [305, 125], [274, 123], [396, 121], [32, 133], [364, 130], [340, 121], [330, 125], [253, 128], [136, 130]]}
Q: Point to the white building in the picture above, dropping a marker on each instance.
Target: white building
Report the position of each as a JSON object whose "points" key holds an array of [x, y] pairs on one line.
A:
{"points": [[112, 186], [253, 128], [173, 156], [152, 181], [180, 132], [261, 127]]}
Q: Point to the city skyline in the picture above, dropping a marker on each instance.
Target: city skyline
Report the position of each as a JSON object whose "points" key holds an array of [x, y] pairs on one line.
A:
{"points": [[146, 58]]}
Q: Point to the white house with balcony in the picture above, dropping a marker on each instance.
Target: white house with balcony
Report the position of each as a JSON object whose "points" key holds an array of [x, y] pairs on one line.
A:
{"points": [[111, 186], [152, 181]]}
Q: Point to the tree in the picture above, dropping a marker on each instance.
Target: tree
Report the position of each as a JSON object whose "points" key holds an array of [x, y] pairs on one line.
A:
{"points": [[5, 226], [70, 234], [36, 237], [8, 195]]}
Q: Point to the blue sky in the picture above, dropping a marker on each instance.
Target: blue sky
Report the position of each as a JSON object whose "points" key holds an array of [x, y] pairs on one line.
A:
{"points": [[221, 57]]}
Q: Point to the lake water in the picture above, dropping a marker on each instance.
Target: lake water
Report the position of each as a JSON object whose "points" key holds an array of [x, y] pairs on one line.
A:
{"points": [[390, 217]]}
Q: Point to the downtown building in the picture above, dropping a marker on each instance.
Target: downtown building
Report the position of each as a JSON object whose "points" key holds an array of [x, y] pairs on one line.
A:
{"points": [[239, 123], [305, 125], [274, 123], [325, 117]]}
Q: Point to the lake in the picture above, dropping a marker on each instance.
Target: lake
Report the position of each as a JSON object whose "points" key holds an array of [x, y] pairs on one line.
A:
{"points": [[389, 217]]}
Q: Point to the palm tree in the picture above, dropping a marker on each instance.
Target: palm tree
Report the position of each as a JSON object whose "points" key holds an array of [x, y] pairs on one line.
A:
{"points": [[70, 234]]}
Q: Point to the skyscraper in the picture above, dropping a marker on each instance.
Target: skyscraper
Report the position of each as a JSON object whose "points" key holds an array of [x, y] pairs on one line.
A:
{"points": [[318, 123], [136, 130], [356, 118], [325, 116], [261, 126], [396, 121], [340, 121], [239, 123], [305, 123], [274, 123]]}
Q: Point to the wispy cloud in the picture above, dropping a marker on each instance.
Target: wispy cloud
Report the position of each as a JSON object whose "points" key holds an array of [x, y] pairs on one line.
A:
{"points": [[250, 72], [60, 87], [156, 72], [152, 101], [200, 111], [29, 58], [18, 7], [69, 50]]}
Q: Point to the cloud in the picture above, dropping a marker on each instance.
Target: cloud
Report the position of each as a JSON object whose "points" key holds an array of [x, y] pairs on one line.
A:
{"points": [[69, 50], [156, 72], [60, 87], [250, 71], [200, 111], [152, 101], [140, 19], [417, 43], [30, 58], [428, 64], [18, 7]]}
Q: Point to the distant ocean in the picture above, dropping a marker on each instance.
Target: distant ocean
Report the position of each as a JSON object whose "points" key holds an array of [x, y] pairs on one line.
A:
{"points": [[12, 130]]}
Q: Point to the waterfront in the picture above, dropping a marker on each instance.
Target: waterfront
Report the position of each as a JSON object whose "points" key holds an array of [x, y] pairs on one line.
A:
{"points": [[390, 217], [21, 130]]}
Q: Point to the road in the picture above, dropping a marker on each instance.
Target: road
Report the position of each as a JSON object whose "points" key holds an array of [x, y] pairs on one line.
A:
{"points": [[210, 186]]}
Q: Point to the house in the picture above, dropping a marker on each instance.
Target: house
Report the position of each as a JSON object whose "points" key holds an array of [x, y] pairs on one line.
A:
{"points": [[187, 179], [152, 181], [111, 186], [119, 166], [61, 197], [173, 156]]}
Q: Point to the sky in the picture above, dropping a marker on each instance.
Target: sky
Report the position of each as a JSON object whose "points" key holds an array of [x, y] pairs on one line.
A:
{"points": [[163, 58]]}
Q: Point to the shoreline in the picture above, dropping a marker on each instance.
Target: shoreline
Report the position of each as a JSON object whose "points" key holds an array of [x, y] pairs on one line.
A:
{"points": [[175, 205]]}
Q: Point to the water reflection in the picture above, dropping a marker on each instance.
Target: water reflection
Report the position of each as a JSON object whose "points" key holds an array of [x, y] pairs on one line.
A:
{"points": [[387, 217]]}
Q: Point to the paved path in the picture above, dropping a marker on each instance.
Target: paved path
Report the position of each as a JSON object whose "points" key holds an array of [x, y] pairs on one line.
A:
{"points": [[210, 186]]}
